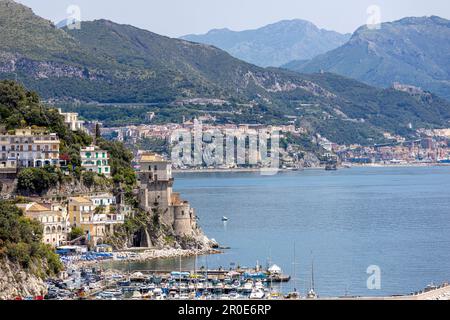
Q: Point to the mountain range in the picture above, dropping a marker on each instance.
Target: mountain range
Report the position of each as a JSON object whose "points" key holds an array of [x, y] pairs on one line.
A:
{"points": [[275, 44], [113, 63], [411, 51]]}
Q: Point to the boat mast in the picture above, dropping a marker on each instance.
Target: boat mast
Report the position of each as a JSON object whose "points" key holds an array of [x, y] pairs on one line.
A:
{"points": [[179, 285], [294, 273], [195, 273], [312, 275]]}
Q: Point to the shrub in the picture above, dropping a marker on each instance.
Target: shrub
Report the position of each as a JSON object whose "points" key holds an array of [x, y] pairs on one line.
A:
{"points": [[20, 240], [19, 253], [37, 180], [76, 233], [89, 178]]}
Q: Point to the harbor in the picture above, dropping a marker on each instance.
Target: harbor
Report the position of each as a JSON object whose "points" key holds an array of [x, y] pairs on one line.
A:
{"points": [[93, 283]]}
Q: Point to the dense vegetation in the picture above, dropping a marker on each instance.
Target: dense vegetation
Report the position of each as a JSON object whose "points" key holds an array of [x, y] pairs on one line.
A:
{"points": [[37, 180], [20, 108], [21, 242], [88, 65]]}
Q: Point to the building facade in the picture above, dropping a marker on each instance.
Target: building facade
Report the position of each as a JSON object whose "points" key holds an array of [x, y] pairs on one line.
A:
{"points": [[25, 148], [96, 215], [94, 159], [54, 218], [72, 121]]}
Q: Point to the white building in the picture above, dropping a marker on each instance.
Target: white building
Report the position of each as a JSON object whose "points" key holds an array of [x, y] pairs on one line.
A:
{"points": [[28, 148], [105, 199], [71, 120], [95, 160], [54, 219]]}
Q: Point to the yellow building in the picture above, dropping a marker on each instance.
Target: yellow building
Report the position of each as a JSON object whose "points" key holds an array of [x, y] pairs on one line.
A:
{"points": [[54, 219], [94, 215]]}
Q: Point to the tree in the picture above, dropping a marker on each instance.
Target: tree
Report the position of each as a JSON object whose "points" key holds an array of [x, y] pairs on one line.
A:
{"points": [[36, 180], [76, 233], [97, 131], [20, 241], [89, 179]]}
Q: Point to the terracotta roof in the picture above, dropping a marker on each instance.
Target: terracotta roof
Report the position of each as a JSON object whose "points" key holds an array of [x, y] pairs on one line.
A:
{"points": [[81, 200], [33, 207]]}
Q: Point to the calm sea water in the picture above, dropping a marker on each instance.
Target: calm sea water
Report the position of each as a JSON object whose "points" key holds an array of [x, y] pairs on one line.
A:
{"points": [[344, 221]]}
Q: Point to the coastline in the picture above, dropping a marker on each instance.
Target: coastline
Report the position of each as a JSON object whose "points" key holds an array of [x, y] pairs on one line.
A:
{"points": [[143, 255], [253, 170]]}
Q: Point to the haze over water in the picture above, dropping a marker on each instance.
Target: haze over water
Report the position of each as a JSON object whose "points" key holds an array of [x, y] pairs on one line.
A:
{"points": [[396, 218]]}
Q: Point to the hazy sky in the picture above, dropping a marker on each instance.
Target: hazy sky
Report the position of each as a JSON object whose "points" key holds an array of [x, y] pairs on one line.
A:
{"points": [[179, 17]]}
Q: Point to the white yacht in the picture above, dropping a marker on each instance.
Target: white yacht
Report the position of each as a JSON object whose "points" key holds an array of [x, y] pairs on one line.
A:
{"points": [[257, 294]]}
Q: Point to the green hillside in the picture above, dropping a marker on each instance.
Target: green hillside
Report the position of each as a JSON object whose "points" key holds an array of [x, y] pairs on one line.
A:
{"points": [[413, 51], [111, 63]]}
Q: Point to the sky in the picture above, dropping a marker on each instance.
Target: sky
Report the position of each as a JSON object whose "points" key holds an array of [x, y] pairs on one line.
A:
{"points": [[175, 18]]}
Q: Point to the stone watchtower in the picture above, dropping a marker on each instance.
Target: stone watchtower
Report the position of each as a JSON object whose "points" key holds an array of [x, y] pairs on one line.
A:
{"points": [[155, 192]]}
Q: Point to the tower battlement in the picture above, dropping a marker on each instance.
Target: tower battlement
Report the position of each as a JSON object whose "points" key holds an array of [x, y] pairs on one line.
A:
{"points": [[155, 192]]}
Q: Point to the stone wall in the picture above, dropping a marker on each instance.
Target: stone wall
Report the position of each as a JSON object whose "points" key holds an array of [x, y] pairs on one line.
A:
{"points": [[183, 218]]}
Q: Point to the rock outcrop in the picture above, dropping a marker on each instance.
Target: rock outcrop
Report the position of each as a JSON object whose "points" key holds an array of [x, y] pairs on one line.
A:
{"points": [[16, 282]]}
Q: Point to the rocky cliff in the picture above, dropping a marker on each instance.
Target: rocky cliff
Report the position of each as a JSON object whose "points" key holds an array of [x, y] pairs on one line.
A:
{"points": [[15, 282]]}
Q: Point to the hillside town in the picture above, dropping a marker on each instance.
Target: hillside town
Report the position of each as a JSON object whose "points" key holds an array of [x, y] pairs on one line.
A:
{"points": [[431, 146], [97, 214], [94, 215]]}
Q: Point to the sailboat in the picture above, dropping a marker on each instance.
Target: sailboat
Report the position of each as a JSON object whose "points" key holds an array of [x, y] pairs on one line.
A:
{"points": [[312, 294], [294, 294]]}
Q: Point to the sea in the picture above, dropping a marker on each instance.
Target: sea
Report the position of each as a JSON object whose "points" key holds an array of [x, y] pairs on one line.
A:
{"points": [[371, 231]]}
